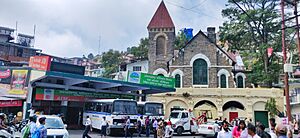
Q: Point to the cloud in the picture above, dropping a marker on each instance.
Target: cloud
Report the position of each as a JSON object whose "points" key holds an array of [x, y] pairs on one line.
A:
{"points": [[77, 24]]}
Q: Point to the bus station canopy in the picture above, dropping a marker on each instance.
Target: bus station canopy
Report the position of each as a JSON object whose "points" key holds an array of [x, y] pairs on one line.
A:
{"points": [[69, 81]]}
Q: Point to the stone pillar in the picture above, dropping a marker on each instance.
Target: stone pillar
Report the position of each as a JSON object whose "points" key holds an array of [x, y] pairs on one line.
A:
{"points": [[249, 104]]}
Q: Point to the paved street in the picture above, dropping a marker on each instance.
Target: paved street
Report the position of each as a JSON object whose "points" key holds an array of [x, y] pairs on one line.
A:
{"points": [[78, 134]]}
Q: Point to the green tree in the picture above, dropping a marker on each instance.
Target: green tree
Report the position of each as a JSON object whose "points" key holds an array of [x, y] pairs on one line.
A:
{"points": [[111, 61], [251, 31], [140, 52], [180, 40], [271, 107]]}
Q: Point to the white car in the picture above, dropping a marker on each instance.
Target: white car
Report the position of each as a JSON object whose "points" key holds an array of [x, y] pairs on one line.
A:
{"points": [[55, 127], [208, 129]]}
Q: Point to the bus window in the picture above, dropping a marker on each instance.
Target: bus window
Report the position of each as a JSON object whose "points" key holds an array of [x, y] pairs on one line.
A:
{"points": [[125, 107], [153, 109]]}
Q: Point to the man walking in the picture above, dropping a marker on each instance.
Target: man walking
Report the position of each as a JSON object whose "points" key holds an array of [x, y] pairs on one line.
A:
{"points": [[139, 126], [88, 127], [155, 126], [224, 133], [251, 131], [127, 127], [147, 123]]}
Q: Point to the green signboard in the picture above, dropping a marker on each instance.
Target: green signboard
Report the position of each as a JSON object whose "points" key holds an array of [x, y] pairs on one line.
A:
{"points": [[149, 79], [65, 95]]}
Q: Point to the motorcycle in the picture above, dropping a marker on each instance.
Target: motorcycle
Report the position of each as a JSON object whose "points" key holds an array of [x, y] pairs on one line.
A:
{"points": [[20, 125], [10, 132]]}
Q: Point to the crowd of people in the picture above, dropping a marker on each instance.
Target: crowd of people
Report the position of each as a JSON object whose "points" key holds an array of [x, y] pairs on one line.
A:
{"points": [[159, 127], [247, 129]]}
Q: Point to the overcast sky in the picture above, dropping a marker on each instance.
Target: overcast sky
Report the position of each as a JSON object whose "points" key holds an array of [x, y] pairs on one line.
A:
{"points": [[70, 28]]}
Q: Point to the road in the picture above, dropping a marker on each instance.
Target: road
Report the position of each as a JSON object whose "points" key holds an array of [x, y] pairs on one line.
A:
{"points": [[78, 134]]}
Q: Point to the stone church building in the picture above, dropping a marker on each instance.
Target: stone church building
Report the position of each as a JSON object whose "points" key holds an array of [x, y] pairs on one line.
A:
{"points": [[199, 64], [207, 78]]}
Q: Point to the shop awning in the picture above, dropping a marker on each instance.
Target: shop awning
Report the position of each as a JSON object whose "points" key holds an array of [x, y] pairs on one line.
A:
{"points": [[84, 83]]}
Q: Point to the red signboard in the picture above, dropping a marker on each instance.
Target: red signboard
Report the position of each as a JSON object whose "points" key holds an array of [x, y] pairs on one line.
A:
{"points": [[10, 103], [4, 74], [40, 62]]}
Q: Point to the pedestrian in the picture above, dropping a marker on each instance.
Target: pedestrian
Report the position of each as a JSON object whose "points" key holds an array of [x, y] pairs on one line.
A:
{"points": [[168, 130], [147, 124], [127, 127], [155, 126], [252, 131], [240, 130], [139, 126], [216, 128], [272, 129], [281, 131], [41, 131], [29, 128], [261, 131], [224, 133], [160, 129], [104, 125], [296, 127], [88, 127]]}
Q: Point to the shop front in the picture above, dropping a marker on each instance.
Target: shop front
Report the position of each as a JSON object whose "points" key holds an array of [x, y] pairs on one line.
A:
{"points": [[13, 89]]}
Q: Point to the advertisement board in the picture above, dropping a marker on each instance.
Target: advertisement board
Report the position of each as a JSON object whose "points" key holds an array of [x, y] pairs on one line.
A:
{"points": [[150, 79], [66, 95], [40, 62], [18, 82]]}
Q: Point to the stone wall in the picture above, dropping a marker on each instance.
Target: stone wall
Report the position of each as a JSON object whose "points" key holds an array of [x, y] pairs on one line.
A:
{"points": [[248, 97], [156, 61]]}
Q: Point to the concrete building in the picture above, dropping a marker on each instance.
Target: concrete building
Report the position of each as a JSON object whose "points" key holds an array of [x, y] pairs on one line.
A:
{"points": [[93, 68], [208, 78], [137, 66], [12, 53]]}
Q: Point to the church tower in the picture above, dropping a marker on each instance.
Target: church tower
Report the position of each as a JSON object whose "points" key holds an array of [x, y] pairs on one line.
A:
{"points": [[161, 40]]}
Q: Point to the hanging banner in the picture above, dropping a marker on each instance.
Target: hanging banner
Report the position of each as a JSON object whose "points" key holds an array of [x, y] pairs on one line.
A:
{"points": [[18, 82]]}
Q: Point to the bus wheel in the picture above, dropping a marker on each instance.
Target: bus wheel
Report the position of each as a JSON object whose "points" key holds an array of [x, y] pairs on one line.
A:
{"points": [[108, 131]]}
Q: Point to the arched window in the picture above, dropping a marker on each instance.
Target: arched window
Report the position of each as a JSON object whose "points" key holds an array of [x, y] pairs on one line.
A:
{"points": [[200, 76], [240, 82], [160, 45], [177, 81], [223, 80], [160, 74]]}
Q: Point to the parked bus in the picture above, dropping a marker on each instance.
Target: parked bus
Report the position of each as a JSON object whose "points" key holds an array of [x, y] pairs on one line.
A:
{"points": [[151, 109], [115, 111]]}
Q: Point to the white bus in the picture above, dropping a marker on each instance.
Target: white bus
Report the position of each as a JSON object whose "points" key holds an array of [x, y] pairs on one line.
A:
{"points": [[151, 109], [115, 111]]}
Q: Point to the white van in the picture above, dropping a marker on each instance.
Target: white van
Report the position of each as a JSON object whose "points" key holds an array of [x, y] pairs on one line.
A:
{"points": [[183, 121]]}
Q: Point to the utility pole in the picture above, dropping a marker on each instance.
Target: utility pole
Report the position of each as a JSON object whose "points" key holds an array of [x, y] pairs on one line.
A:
{"points": [[286, 77], [297, 27]]}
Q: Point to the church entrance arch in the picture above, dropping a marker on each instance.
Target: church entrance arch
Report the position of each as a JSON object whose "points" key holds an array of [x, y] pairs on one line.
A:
{"points": [[233, 110], [206, 106]]}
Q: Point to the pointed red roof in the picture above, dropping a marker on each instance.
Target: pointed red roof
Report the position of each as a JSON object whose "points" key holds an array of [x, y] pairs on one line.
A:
{"points": [[161, 18]]}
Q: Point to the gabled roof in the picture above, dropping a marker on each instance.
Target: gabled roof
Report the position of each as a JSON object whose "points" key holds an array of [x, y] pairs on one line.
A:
{"points": [[161, 18], [222, 50]]}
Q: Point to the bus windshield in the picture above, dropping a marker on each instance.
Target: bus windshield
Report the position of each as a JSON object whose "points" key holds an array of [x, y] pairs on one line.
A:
{"points": [[125, 107], [153, 109]]}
